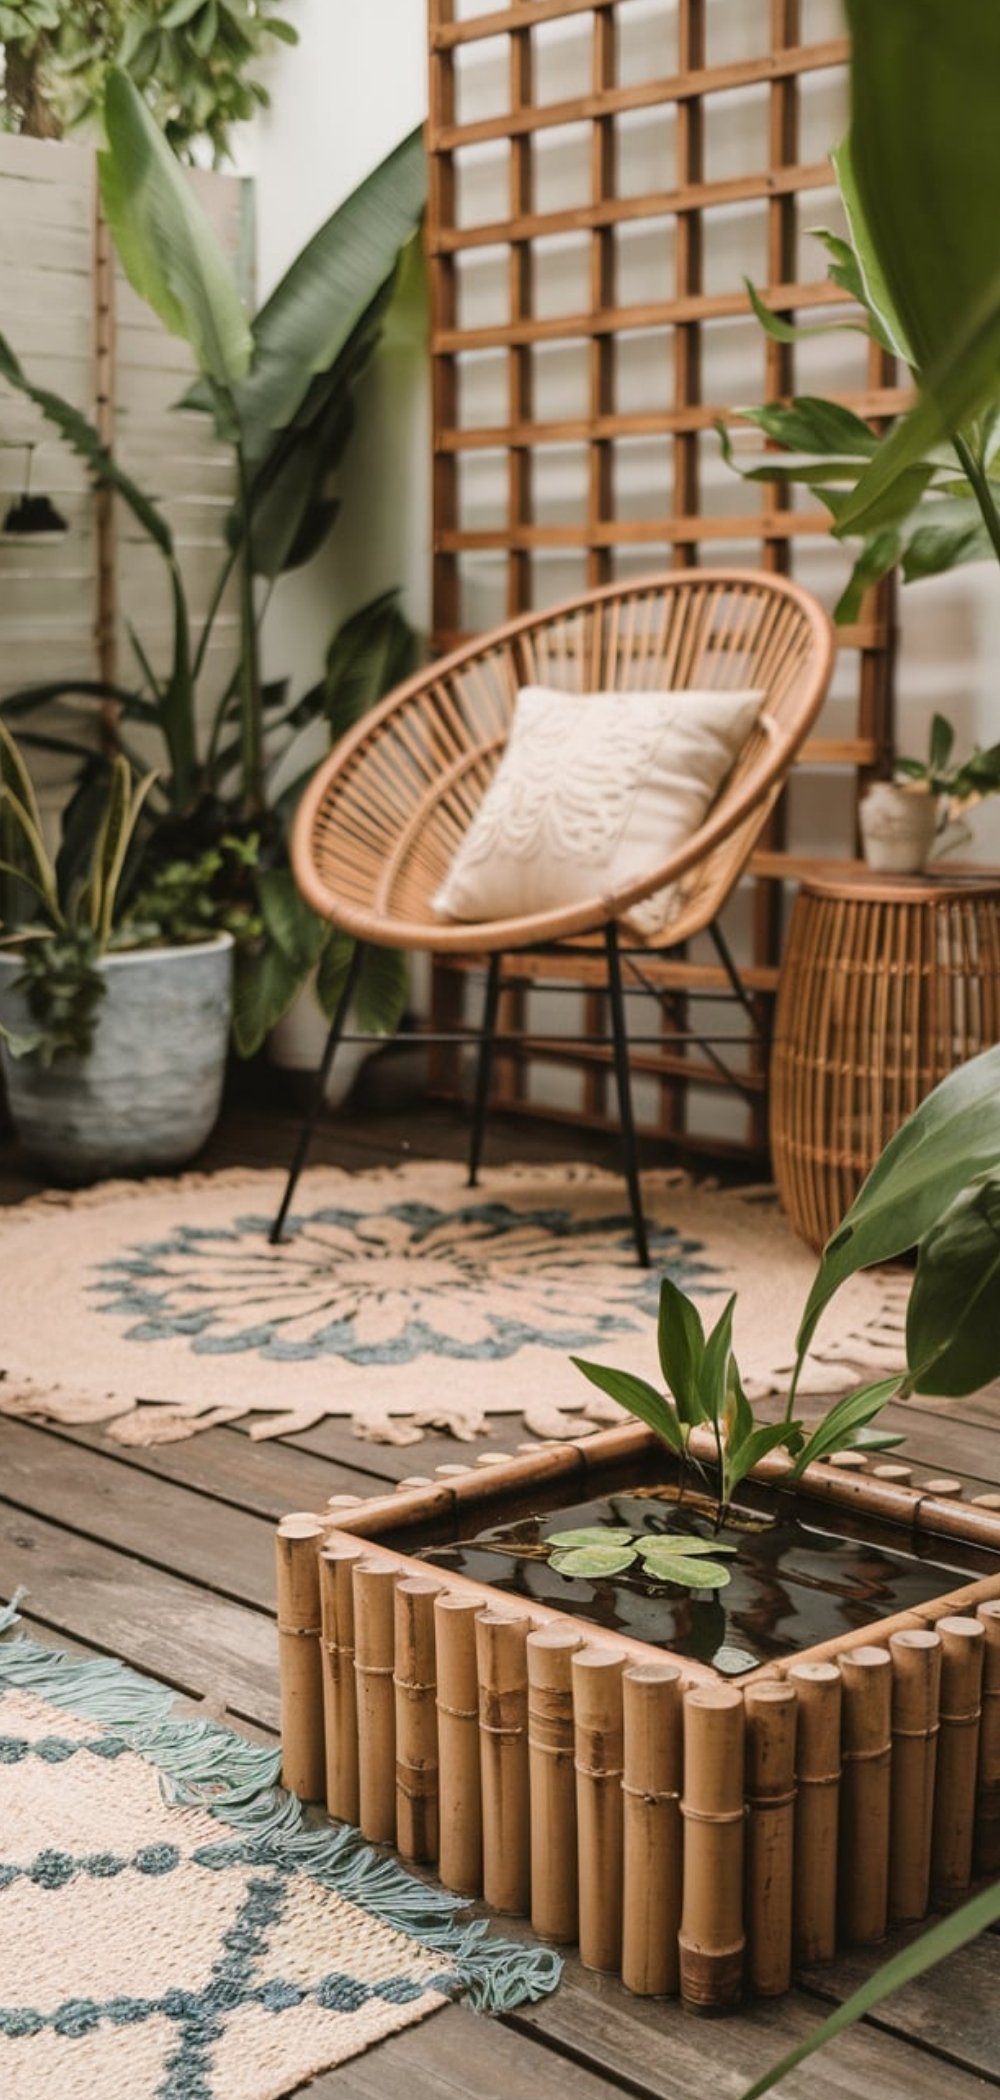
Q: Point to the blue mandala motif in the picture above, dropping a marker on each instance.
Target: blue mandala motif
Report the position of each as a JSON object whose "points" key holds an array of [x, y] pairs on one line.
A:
{"points": [[398, 1285]]}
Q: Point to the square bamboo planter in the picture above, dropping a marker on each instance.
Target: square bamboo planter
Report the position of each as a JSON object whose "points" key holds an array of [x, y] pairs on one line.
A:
{"points": [[692, 1835]]}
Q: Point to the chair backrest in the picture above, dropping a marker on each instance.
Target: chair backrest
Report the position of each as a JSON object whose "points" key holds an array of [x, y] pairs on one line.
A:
{"points": [[383, 816]]}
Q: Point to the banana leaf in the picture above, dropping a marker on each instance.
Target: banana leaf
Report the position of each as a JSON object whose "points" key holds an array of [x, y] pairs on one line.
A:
{"points": [[165, 241], [926, 156], [303, 327], [951, 1140], [933, 1946]]}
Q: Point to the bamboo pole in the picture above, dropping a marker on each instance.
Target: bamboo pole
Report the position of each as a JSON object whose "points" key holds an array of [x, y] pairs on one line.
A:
{"points": [[818, 1689], [501, 1639], [963, 1643], [916, 1706], [986, 1848], [653, 1836], [415, 1687], [711, 1939], [374, 1650], [866, 1754], [599, 1759], [552, 1782], [340, 1699], [770, 1762], [460, 1837], [303, 1752]]}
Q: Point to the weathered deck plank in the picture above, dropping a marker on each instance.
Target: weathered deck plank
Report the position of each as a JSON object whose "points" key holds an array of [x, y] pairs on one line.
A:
{"points": [[163, 1556]]}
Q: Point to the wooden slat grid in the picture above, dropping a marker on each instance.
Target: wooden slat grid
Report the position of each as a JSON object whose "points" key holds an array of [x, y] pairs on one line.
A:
{"points": [[604, 173]]}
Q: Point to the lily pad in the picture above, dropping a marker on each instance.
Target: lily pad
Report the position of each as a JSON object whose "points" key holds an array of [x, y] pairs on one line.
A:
{"points": [[688, 1569], [594, 1560], [669, 1544], [592, 1535]]}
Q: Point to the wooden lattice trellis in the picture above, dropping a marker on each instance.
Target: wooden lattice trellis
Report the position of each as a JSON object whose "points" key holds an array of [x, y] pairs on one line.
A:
{"points": [[603, 174]]}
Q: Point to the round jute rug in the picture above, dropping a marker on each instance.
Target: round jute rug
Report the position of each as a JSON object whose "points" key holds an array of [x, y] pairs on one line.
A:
{"points": [[400, 1298]]}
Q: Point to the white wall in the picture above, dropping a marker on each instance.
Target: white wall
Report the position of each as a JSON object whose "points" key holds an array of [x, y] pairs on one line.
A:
{"points": [[353, 86]]}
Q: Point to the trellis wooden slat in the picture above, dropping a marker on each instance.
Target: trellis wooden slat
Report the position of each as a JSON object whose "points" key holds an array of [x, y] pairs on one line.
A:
{"points": [[494, 558]]}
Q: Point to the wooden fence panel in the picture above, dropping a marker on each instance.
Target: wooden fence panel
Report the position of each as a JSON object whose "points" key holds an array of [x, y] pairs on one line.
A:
{"points": [[77, 327]]}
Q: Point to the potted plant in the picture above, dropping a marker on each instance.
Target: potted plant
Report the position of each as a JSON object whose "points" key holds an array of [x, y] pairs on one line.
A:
{"points": [[919, 814], [114, 1000], [279, 389]]}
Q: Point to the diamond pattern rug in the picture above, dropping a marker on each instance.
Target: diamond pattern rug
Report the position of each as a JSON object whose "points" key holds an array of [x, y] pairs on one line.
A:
{"points": [[171, 1927]]}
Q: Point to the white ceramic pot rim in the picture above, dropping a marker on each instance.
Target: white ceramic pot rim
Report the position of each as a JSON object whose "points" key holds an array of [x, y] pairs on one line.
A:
{"points": [[168, 951]]}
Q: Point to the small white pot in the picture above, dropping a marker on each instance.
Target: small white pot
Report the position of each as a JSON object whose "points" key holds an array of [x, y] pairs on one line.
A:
{"points": [[296, 1044], [898, 827]]}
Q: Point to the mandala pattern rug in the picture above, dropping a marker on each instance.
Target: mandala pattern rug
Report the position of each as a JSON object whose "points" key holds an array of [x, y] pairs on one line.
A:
{"points": [[400, 1298], [171, 1927]]}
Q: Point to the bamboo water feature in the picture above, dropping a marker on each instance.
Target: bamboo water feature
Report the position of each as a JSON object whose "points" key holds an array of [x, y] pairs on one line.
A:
{"points": [[698, 1836]]}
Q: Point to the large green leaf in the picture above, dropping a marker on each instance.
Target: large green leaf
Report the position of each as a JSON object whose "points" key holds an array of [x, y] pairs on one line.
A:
{"points": [[265, 981], [290, 922], [845, 1423], [717, 1384], [933, 1946], [374, 650], [639, 1399], [290, 504], [380, 993], [167, 246], [926, 154], [872, 288], [951, 1139], [952, 1328], [681, 1343], [302, 328], [925, 148]]}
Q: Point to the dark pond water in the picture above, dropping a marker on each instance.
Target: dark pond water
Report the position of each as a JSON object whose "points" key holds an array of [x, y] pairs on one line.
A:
{"points": [[793, 1581]]}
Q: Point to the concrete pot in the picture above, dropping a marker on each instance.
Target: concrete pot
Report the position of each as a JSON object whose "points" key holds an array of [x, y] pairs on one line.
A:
{"points": [[148, 1094]]}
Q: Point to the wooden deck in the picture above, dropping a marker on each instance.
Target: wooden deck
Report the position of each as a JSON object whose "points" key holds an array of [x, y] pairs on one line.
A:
{"points": [[164, 1557]]}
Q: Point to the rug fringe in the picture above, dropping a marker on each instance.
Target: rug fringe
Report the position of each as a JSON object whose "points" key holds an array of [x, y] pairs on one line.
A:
{"points": [[204, 1764]]}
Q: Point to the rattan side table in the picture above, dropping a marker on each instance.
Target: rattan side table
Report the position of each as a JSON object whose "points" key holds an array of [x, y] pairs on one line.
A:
{"points": [[888, 982]]}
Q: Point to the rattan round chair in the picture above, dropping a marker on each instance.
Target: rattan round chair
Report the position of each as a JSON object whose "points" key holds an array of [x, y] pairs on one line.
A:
{"points": [[379, 824]]}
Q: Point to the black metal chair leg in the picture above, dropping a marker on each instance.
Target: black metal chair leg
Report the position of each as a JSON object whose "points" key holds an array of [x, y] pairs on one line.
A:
{"points": [[319, 1090], [630, 1160], [484, 1066]]}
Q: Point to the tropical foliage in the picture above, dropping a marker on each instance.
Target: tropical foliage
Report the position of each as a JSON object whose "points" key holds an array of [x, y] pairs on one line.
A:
{"points": [[279, 389], [927, 156], [194, 61], [78, 911], [923, 494]]}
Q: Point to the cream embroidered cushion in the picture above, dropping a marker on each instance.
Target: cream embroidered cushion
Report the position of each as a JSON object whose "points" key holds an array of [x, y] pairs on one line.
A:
{"points": [[593, 790]]}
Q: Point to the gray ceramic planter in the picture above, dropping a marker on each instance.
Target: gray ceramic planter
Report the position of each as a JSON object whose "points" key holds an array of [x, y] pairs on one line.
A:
{"points": [[148, 1094]]}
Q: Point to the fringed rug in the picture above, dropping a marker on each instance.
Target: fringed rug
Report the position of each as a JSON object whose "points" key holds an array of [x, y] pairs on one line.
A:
{"points": [[171, 1927], [400, 1298]]}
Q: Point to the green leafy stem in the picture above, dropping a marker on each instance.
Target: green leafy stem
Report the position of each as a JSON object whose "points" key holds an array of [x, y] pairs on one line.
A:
{"points": [[705, 1393]]}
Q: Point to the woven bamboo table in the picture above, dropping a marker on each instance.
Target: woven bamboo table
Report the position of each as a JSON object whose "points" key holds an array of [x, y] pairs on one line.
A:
{"points": [[888, 983]]}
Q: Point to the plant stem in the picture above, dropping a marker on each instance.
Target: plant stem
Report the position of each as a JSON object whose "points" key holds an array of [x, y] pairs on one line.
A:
{"points": [[979, 482], [251, 704]]}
